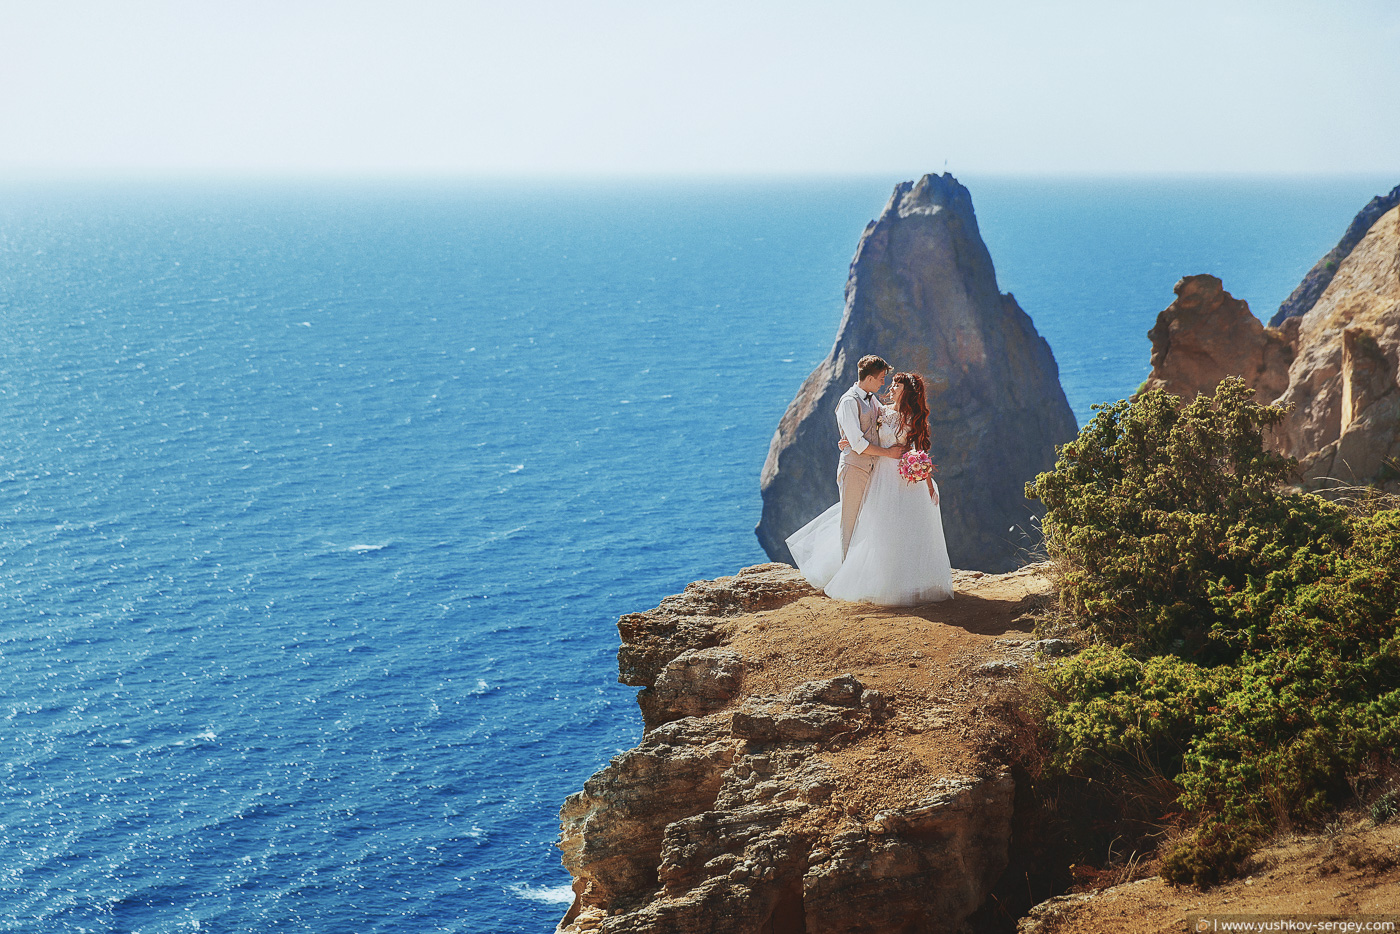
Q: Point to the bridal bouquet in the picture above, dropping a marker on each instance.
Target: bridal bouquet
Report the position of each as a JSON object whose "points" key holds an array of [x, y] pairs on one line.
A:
{"points": [[916, 466]]}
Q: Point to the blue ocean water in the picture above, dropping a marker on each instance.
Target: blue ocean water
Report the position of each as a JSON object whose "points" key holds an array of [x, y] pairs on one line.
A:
{"points": [[320, 502]]}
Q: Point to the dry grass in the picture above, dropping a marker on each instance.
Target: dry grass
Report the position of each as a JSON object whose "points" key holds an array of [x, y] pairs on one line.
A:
{"points": [[1358, 499]]}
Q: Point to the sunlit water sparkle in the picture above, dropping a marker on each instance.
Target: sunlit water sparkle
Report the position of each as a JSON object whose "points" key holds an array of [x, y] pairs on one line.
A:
{"points": [[320, 503]]}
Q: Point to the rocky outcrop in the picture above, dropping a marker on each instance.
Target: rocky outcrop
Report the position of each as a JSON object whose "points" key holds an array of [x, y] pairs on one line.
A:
{"points": [[1334, 366], [1206, 335], [922, 293], [773, 791], [1345, 418], [1305, 296]]}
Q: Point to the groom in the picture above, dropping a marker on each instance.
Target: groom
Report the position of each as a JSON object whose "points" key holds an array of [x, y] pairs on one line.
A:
{"points": [[856, 417]]}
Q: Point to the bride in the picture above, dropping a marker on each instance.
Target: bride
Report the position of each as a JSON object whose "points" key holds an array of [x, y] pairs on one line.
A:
{"points": [[897, 555]]}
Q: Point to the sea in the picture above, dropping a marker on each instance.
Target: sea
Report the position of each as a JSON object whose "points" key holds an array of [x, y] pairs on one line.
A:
{"points": [[320, 500]]}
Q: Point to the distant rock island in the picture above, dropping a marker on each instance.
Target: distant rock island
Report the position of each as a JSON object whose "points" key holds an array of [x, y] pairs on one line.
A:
{"points": [[1330, 354], [922, 293]]}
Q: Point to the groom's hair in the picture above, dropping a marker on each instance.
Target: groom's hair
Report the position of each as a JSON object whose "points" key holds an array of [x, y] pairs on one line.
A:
{"points": [[870, 364]]}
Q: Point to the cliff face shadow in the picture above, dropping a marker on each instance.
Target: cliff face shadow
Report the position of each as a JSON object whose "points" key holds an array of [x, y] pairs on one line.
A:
{"points": [[979, 614], [982, 604]]}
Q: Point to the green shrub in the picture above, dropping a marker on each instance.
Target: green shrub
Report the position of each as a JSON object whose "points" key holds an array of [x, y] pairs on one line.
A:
{"points": [[1214, 853], [1249, 638], [1158, 512], [1114, 712], [1385, 807]]}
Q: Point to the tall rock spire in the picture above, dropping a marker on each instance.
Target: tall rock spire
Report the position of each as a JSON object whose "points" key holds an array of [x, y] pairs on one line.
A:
{"points": [[922, 293]]}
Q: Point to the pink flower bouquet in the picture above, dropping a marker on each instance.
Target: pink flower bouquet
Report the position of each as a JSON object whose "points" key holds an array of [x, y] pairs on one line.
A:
{"points": [[916, 466]]}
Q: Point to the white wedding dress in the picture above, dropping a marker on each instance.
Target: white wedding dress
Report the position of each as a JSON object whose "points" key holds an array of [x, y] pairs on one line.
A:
{"points": [[897, 555]]}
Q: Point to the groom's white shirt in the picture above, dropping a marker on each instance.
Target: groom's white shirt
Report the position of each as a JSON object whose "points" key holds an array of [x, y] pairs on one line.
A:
{"points": [[848, 417]]}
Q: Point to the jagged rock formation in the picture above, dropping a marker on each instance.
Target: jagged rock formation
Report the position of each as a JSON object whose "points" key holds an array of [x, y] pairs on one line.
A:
{"points": [[1336, 363], [796, 774], [923, 294], [1305, 296], [1345, 422], [1206, 335]]}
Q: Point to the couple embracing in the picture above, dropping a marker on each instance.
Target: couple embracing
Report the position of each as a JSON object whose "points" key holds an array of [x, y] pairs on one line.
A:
{"points": [[883, 542]]}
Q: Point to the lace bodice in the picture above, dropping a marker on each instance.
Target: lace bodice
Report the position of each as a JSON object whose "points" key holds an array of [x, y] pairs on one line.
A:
{"points": [[892, 430]]}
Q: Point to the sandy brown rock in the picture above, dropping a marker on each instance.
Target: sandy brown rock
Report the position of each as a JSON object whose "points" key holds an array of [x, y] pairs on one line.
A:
{"points": [[1333, 367], [1342, 384], [846, 786], [694, 683], [687, 621], [923, 294], [612, 830], [1305, 296], [1206, 335]]}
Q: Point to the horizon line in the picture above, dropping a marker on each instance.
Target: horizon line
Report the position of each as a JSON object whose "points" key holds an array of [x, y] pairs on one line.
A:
{"points": [[28, 176]]}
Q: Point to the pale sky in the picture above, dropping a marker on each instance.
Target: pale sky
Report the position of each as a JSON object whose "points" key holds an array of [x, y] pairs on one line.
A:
{"points": [[675, 87]]}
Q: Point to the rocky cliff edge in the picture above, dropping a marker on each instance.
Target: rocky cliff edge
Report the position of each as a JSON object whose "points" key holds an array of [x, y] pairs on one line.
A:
{"points": [[811, 766], [808, 765]]}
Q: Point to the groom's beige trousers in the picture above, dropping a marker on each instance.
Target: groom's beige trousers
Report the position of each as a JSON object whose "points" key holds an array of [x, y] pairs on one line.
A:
{"points": [[853, 479]]}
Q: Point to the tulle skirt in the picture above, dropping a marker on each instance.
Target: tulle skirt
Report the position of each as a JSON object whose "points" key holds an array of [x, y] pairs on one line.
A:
{"points": [[897, 555]]}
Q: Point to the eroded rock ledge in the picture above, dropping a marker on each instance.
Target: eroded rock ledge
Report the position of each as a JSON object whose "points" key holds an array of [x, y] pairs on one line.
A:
{"points": [[808, 765]]}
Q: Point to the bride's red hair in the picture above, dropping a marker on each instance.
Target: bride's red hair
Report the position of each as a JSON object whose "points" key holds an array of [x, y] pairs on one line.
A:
{"points": [[913, 409]]}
